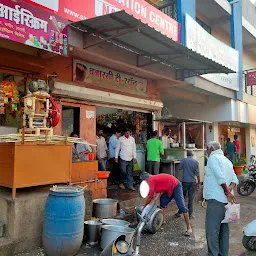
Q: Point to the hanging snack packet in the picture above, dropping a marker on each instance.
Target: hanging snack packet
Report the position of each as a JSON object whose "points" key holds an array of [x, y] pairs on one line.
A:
{"points": [[232, 214]]}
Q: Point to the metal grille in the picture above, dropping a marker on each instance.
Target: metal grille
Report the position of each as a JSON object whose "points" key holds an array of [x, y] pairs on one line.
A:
{"points": [[170, 9]]}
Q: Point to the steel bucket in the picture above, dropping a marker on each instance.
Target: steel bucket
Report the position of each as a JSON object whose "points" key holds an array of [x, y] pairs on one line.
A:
{"points": [[92, 229], [110, 233], [115, 222]]}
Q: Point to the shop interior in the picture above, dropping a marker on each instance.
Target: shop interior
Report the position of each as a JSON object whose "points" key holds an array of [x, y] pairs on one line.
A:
{"points": [[12, 88], [229, 132], [111, 118], [139, 123]]}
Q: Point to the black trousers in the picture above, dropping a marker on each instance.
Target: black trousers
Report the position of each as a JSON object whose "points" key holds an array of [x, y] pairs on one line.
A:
{"points": [[115, 171]]}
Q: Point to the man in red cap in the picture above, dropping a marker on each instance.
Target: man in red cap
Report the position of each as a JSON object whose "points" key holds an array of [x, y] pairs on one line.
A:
{"points": [[166, 187]]}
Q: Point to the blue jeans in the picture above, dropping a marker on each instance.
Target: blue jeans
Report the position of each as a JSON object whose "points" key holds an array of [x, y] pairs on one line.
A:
{"points": [[189, 188], [178, 197], [126, 174], [102, 164], [217, 233]]}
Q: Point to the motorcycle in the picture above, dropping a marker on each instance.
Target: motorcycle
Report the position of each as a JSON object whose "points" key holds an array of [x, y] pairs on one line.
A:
{"points": [[248, 184], [150, 219], [249, 239]]}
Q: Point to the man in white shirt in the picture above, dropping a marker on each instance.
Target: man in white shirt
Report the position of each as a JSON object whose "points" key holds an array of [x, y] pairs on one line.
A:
{"points": [[166, 138], [102, 150], [219, 181], [126, 148]]}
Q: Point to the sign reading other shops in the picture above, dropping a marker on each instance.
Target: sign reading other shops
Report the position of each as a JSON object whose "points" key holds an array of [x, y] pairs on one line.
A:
{"points": [[251, 78], [91, 74], [27, 24], [77, 10], [200, 41]]}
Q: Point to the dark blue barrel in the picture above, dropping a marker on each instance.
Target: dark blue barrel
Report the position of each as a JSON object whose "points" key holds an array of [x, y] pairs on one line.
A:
{"points": [[64, 221]]}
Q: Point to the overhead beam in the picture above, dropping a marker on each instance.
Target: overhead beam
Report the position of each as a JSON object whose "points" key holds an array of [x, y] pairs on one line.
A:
{"points": [[76, 51], [225, 19], [185, 94], [165, 84], [250, 46]]}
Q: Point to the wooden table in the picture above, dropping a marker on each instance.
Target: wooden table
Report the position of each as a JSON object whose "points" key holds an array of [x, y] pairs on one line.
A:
{"points": [[34, 164]]}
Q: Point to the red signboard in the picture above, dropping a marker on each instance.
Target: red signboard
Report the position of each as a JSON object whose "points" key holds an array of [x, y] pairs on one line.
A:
{"points": [[251, 78], [76, 10], [25, 23]]}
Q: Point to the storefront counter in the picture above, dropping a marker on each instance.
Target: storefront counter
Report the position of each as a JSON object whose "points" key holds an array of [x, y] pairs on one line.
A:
{"points": [[34, 164], [173, 156], [84, 171]]}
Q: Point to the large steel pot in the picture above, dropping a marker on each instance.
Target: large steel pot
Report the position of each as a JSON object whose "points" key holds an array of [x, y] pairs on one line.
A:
{"points": [[111, 233], [104, 208], [115, 222]]}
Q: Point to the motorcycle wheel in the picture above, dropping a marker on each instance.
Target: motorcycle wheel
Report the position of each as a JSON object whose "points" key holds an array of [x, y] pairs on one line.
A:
{"points": [[245, 188], [249, 242]]}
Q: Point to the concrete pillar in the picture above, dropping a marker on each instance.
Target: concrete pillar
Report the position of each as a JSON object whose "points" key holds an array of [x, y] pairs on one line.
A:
{"points": [[212, 132], [250, 135], [183, 7], [236, 30]]}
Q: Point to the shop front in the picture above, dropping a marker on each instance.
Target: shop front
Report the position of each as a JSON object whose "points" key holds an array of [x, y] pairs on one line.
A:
{"points": [[26, 105], [125, 103]]}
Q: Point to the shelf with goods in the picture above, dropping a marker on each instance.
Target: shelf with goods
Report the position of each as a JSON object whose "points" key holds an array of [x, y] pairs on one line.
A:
{"points": [[35, 159]]}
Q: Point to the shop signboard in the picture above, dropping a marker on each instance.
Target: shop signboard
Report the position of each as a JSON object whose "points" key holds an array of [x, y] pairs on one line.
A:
{"points": [[27, 24], [86, 9], [200, 41], [251, 78], [91, 74]]}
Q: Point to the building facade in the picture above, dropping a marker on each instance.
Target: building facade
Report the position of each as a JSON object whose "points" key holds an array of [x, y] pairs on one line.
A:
{"points": [[200, 74], [226, 29]]}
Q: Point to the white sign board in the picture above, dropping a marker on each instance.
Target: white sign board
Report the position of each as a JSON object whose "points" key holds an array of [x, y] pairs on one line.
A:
{"points": [[51, 4], [200, 41], [90, 114]]}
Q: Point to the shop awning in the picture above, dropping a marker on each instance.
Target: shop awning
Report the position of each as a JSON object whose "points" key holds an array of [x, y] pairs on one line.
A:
{"points": [[150, 45], [177, 120]]}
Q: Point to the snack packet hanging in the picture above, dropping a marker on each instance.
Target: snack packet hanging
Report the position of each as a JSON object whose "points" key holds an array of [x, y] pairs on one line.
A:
{"points": [[232, 214]]}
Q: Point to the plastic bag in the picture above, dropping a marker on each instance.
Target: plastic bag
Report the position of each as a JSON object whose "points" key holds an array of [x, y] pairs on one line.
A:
{"points": [[232, 214]]}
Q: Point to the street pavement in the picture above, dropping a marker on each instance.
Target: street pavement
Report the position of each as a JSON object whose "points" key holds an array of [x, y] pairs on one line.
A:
{"points": [[171, 241]]}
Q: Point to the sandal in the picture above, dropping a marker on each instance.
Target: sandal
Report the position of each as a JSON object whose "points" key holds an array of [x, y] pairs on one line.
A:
{"points": [[187, 233]]}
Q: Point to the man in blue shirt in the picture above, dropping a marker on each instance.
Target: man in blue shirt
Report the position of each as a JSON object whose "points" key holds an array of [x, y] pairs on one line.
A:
{"points": [[230, 148], [190, 180], [115, 174]]}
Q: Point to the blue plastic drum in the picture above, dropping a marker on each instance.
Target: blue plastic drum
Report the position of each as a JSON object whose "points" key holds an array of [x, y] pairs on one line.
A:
{"points": [[64, 221]]}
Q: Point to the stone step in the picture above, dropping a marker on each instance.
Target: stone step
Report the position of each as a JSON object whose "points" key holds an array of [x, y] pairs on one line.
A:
{"points": [[6, 247]]}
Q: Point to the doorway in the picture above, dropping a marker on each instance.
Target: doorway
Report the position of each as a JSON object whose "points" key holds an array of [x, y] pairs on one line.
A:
{"points": [[70, 120]]}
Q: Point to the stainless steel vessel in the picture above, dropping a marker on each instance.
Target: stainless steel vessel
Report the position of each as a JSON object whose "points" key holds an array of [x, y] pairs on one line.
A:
{"points": [[154, 217], [111, 233], [105, 208], [116, 222], [92, 229]]}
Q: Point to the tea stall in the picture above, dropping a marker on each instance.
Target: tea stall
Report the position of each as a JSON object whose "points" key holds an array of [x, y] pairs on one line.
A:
{"points": [[185, 134]]}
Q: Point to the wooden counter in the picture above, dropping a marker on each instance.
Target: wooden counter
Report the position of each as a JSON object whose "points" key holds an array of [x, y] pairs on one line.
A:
{"points": [[85, 174], [84, 171], [34, 164]]}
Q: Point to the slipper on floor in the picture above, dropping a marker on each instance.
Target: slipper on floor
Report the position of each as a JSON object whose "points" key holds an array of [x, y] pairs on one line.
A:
{"points": [[187, 233]]}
